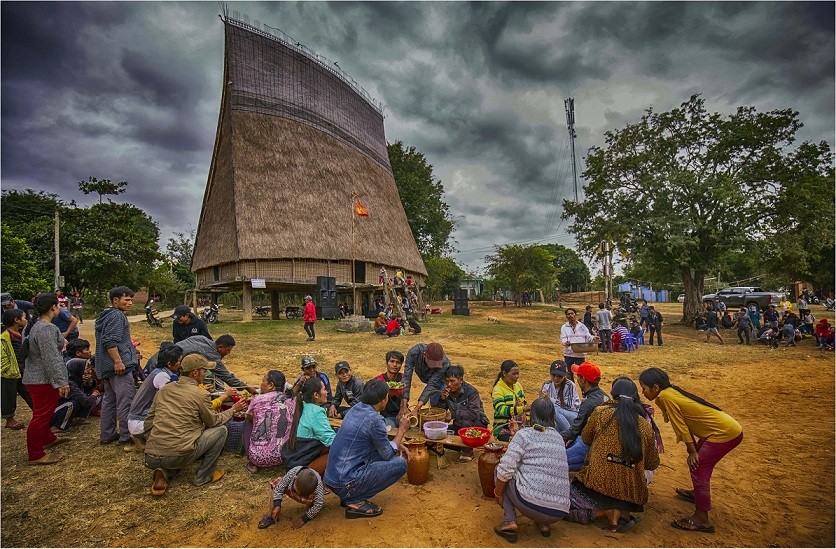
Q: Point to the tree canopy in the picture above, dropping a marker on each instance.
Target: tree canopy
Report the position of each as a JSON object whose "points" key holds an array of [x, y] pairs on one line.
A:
{"points": [[20, 274], [679, 189], [572, 273], [422, 197], [443, 277], [178, 256], [101, 187], [520, 268], [101, 246]]}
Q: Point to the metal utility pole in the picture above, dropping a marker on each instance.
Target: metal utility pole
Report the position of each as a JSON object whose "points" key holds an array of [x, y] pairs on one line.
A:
{"points": [[57, 279], [605, 254], [570, 123]]}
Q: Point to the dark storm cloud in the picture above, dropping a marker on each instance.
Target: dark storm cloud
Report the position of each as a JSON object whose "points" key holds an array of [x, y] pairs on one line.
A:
{"points": [[131, 90]]}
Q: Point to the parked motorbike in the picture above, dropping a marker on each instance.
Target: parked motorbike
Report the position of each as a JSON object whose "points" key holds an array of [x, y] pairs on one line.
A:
{"points": [[152, 316], [262, 310], [210, 313]]}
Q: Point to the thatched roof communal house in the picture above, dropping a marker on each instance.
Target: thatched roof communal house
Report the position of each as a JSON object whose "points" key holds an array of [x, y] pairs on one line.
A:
{"points": [[297, 144]]}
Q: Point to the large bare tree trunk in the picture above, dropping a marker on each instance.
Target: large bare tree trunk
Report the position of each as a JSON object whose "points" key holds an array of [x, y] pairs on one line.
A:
{"points": [[692, 307]]}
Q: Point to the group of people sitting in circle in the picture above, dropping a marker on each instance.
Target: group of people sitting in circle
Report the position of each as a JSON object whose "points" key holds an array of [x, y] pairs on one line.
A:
{"points": [[774, 325], [609, 441]]}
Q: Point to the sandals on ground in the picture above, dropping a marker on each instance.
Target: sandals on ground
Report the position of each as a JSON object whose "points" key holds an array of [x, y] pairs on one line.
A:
{"points": [[266, 522], [690, 526], [366, 510], [160, 484], [510, 536]]}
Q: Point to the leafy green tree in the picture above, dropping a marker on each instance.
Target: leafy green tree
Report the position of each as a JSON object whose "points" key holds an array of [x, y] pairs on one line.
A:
{"points": [[572, 273], [18, 271], [107, 245], [803, 245], [101, 187], [178, 255], [422, 197], [520, 268], [681, 188], [443, 277], [30, 215]]}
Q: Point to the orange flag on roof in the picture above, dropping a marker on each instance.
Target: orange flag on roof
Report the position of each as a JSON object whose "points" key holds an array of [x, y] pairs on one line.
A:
{"points": [[360, 210]]}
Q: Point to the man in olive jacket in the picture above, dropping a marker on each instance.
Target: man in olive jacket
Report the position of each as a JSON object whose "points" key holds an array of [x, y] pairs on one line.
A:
{"points": [[182, 427]]}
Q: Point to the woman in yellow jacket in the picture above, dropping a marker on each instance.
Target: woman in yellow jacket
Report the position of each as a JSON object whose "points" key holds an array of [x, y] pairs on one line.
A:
{"points": [[11, 384], [508, 401], [708, 432]]}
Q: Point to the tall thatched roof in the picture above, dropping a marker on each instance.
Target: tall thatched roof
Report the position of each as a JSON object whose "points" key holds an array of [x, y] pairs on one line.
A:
{"points": [[295, 145]]}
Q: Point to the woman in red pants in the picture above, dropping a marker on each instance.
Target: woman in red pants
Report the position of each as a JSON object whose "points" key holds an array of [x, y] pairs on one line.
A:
{"points": [[708, 432], [45, 377]]}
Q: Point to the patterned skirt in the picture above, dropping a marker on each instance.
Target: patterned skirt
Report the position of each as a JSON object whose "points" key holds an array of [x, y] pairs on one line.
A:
{"points": [[585, 501]]}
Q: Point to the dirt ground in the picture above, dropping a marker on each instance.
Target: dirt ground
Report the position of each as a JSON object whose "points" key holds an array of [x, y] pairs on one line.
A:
{"points": [[775, 490]]}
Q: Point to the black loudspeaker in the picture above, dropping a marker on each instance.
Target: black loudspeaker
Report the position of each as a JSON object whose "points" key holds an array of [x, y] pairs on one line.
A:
{"points": [[327, 313], [360, 271], [326, 283], [328, 298], [460, 302]]}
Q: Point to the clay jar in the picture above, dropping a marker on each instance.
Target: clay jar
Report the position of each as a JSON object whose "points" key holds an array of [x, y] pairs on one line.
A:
{"points": [[418, 466], [487, 465]]}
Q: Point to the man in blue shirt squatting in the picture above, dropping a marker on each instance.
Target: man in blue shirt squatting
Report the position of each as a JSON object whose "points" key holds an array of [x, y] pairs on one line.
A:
{"points": [[362, 461]]}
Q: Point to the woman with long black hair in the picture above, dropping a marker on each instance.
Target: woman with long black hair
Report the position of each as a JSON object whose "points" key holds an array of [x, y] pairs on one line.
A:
{"points": [[509, 405], [708, 432], [622, 447], [311, 434]]}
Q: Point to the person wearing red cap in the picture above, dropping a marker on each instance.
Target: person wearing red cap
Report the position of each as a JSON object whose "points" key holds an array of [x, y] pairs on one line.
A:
{"points": [[430, 363], [588, 377]]}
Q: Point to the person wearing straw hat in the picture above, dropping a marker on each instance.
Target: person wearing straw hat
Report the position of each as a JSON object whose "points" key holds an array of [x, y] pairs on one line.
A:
{"points": [[182, 427]]}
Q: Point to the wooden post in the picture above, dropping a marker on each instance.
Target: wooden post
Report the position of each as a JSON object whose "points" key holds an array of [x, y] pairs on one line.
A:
{"points": [[248, 302], [274, 304]]}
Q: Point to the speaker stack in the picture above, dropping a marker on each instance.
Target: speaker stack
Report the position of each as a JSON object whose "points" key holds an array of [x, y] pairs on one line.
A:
{"points": [[327, 299], [460, 302]]}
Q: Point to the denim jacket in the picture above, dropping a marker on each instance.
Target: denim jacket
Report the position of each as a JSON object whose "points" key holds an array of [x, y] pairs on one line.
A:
{"points": [[361, 440]]}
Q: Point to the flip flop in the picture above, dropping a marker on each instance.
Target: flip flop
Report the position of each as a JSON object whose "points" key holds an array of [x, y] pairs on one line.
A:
{"points": [[687, 495], [160, 484], [547, 532], [58, 441], [46, 460], [625, 524], [266, 522], [690, 526], [15, 425], [509, 536], [366, 510]]}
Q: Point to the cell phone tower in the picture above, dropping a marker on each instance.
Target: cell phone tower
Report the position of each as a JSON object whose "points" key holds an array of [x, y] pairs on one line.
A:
{"points": [[570, 123]]}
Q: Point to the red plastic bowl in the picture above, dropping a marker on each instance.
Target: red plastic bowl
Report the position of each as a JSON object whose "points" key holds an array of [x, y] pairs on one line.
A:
{"points": [[475, 442]]}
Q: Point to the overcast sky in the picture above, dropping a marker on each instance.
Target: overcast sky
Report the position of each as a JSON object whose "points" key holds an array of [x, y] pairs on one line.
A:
{"points": [[131, 91]]}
